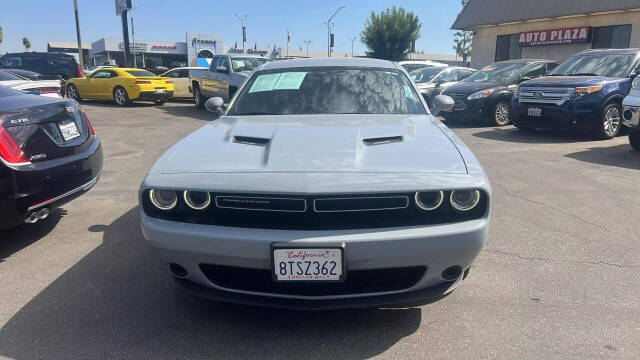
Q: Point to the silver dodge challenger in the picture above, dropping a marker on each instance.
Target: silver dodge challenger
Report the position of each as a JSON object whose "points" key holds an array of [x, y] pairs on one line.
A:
{"points": [[324, 184]]}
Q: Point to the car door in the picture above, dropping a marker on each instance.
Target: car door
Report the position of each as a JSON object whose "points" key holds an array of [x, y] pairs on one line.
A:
{"points": [[464, 73], [95, 85], [219, 80], [208, 76], [180, 80]]}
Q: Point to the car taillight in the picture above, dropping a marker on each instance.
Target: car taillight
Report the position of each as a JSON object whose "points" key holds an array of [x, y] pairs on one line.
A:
{"points": [[168, 82], [79, 71], [91, 131], [143, 82], [10, 152]]}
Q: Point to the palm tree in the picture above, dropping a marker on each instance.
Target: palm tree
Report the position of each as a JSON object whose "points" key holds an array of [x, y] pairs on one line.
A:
{"points": [[26, 43]]}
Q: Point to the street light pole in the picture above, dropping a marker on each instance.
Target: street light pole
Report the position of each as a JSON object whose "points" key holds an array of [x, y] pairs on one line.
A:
{"points": [[353, 38], [307, 42], [80, 54], [243, 19], [133, 39], [329, 30]]}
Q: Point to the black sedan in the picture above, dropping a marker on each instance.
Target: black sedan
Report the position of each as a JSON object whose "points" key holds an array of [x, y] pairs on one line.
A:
{"points": [[49, 154], [488, 92]]}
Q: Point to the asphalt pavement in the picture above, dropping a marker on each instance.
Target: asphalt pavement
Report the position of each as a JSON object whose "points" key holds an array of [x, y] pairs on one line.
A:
{"points": [[558, 279]]}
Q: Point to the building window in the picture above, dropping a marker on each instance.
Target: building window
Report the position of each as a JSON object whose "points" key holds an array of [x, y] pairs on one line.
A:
{"points": [[611, 37], [507, 47]]}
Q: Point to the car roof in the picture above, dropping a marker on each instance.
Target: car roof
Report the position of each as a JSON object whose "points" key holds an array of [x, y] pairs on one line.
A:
{"points": [[326, 62], [244, 56], [525, 61], [609, 51]]}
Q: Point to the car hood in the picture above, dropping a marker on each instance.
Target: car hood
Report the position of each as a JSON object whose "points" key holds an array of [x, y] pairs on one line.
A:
{"points": [[568, 81], [29, 84], [468, 88], [316, 143]]}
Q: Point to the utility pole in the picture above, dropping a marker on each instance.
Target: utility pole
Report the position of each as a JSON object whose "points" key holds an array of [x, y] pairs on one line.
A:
{"points": [[133, 39], [329, 30], [80, 54], [353, 38], [243, 19], [307, 42]]}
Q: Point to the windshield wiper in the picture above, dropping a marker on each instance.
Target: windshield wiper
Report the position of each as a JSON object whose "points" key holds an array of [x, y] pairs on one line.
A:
{"points": [[584, 74]]}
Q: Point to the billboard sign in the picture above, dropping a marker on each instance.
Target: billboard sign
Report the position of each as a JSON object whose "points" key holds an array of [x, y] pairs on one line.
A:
{"points": [[555, 36]]}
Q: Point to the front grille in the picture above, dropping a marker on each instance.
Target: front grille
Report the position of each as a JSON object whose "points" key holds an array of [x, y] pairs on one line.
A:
{"points": [[459, 103], [545, 95], [356, 282], [315, 212]]}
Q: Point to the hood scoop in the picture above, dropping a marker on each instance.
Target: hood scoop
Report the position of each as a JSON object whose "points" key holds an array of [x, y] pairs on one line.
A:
{"points": [[250, 140], [382, 140]]}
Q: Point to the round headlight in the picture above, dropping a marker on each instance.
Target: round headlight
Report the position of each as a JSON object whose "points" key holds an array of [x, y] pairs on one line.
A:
{"points": [[429, 200], [163, 199], [197, 200], [464, 200]]}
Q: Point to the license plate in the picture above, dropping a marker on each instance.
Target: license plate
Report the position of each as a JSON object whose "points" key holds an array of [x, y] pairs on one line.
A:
{"points": [[160, 91], [69, 130], [310, 264], [534, 111]]}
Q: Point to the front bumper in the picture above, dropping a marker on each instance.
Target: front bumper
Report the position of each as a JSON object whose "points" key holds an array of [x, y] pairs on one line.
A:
{"points": [[631, 116], [435, 247], [468, 109], [571, 115], [153, 96], [48, 183]]}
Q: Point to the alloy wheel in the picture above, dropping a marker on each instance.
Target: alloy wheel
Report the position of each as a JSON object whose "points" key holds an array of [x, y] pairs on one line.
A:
{"points": [[502, 116], [611, 124], [196, 96], [73, 92], [120, 96]]}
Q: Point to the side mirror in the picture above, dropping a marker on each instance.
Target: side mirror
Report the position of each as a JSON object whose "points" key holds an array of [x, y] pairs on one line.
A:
{"points": [[442, 103], [222, 69], [524, 78], [214, 105]]}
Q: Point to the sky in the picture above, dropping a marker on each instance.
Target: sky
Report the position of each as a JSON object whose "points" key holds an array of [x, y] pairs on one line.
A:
{"points": [[42, 21]]}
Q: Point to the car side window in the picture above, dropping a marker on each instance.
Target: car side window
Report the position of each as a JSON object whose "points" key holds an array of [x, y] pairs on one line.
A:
{"points": [[534, 71], [10, 61], [102, 74], [551, 66], [450, 75], [172, 74], [224, 62], [184, 73], [463, 74], [113, 74], [214, 63]]}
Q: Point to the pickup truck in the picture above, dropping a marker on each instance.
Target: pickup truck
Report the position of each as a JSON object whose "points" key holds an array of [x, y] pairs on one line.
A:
{"points": [[584, 93], [631, 113], [223, 78]]}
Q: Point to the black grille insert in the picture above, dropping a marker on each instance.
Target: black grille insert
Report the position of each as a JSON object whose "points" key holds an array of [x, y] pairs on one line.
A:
{"points": [[357, 281]]}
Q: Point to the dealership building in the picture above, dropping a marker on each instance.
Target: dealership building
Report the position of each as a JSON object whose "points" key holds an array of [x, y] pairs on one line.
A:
{"points": [[151, 53], [549, 29]]}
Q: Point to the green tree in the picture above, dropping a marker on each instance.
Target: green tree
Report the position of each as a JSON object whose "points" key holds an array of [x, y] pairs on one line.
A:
{"points": [[463, 41], [26, 43], [390, 34]]}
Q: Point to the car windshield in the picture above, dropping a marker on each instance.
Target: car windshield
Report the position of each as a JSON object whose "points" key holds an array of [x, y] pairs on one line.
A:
{"points": [[139, 73], [246, 64], [425, 74], [327, 90], [496, 72], [610, 65], [7, 76]]}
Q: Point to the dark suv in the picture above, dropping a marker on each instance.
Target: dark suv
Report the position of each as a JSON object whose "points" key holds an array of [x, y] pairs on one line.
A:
{"points": [[487, 93], [45, 63], [585, 93]]}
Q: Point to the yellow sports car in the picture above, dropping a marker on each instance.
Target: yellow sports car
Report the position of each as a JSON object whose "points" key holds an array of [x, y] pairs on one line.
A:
{"points": [[123, 85]]}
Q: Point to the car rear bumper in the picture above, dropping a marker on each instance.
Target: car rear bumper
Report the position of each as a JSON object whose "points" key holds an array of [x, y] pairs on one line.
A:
{"points": [[435, 248], [47, 184], [153, 96]]}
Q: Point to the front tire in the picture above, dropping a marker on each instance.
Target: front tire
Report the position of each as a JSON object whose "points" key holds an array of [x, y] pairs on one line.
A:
{"points": [[73, 93], [610, 122], [634, 138], [120, 96], [198, 99], [502, 114]]}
